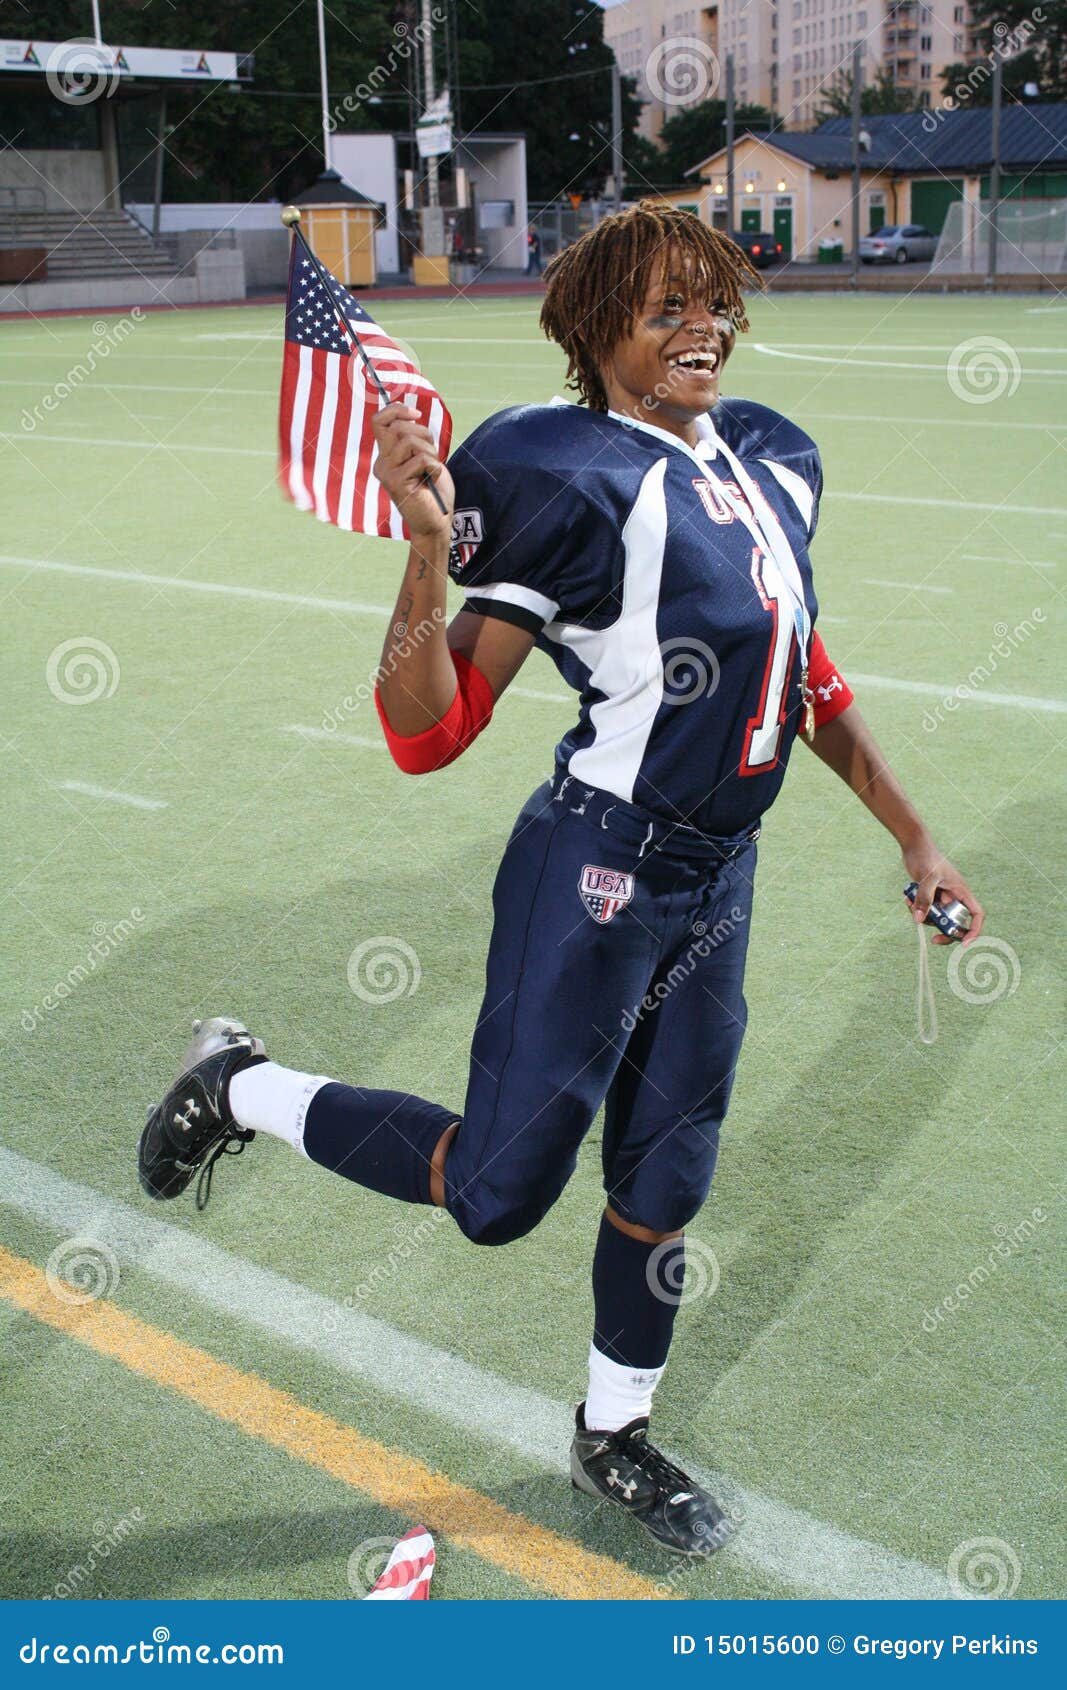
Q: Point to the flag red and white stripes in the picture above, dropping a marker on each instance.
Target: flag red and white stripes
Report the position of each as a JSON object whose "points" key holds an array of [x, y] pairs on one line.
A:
{"points": [[408, 1570], [327, 450]]}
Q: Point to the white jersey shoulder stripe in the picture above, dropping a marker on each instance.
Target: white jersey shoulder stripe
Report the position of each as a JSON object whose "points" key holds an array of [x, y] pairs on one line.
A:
{"points": [[797, 488]]}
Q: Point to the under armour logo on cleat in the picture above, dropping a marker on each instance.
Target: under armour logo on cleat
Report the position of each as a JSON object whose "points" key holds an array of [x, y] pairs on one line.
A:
{"points": [[627, 1486], [185, 1120]]}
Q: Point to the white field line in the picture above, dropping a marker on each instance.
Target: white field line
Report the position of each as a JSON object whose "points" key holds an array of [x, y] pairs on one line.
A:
{"points": [[111, 796], [539, 697], [884, 346], [338, 738], [960, 504], [153, 387], [908, 586], [926, 689], [1018, 562], [930, 422], [36, 439], [224, 589], [791, 1546], [847, 363]]}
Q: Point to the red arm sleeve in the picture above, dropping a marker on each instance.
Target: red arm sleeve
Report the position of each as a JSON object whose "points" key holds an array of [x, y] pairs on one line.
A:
{"points": [[831, 692], [462, 722]]}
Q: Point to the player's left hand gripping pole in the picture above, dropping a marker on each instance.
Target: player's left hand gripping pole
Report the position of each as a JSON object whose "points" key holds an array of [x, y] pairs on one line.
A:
{"points": [[291, 219]]}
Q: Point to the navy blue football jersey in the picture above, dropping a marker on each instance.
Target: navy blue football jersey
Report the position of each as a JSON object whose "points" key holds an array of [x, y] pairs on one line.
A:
{"points": [[641, 565]]}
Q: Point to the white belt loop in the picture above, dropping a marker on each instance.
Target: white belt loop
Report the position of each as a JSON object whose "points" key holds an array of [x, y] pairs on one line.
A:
{"points": [[646, 842]]}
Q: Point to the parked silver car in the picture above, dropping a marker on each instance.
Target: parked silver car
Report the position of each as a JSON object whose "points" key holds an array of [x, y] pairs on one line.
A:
{"points": [[896, 243]]}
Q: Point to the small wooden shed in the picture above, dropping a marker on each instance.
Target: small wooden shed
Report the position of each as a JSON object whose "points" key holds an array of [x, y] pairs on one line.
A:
{"points": [[339, 224]]}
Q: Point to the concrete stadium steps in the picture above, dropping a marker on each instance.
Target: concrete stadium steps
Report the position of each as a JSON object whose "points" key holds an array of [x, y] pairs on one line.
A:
{"points": [[102, 243]]}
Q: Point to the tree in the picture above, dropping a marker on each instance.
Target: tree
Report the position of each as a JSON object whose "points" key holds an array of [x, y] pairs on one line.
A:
{"points": [[878, 97], [554, 72], [695, 132], [1036, 51]]}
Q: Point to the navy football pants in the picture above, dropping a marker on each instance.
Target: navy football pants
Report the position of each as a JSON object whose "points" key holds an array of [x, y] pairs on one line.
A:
{"points": [[642, 1012]]}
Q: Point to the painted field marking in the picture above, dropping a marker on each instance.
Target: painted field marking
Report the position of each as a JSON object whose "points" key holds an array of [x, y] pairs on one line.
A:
{"points": [[928, 689], [931, 422], [961, 503], [134, 445], [225, 589], [1019, 562], [848, 364], [112, 797], [339, 738], [908, 586], [539, 697], [791, 1546], [507, 1540]]}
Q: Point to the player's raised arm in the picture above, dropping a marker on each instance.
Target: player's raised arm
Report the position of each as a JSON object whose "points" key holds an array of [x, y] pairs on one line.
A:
{"points": [[436, 685]]}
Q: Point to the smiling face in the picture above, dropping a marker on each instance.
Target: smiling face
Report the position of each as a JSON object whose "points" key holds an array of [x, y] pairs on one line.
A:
{"points": [[666, 371]]}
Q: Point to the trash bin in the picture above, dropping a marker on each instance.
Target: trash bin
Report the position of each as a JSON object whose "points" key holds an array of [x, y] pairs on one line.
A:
{"points": [[831, 252]]}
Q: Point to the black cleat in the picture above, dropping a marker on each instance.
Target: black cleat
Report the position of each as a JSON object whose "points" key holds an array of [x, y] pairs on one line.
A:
{"points": [[632, 1473], [193, 1126]]}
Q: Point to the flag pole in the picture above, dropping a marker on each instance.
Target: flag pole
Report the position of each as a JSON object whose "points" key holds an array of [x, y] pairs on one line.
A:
{"points": [[324, 87], [291, 219]]}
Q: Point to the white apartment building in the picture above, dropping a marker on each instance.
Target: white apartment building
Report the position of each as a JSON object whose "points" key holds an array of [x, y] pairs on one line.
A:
{"points": [[787, 53]]}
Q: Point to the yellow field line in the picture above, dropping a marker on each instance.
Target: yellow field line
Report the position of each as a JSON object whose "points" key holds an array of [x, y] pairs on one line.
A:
{"points": [[519, 1546]]}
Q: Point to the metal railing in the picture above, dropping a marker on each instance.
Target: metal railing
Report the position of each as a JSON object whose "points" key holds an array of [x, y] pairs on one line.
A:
{"points": [[12, 201]]}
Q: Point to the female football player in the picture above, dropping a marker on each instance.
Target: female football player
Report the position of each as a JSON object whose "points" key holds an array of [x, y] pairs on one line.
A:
{"points": [[653, 541]]}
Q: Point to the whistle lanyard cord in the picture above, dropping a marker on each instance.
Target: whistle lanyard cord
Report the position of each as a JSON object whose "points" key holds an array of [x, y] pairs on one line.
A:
{"points": [[926, 1008]]}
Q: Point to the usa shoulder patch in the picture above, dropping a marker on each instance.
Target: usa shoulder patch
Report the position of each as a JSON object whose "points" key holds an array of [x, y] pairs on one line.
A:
{"points": [[467, 535]]}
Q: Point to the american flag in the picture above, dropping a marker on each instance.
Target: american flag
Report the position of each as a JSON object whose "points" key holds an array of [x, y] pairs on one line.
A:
{"points": [[408, 1571], [326, 448]]}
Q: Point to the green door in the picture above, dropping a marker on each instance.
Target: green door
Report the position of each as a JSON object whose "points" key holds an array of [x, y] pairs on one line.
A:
{"points": [[930, 202], [877, 219], [783, 230], [750, 220]]}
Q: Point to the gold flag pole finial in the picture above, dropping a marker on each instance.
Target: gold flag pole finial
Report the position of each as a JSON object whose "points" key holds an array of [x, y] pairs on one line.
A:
{"points": [[290, 216]]}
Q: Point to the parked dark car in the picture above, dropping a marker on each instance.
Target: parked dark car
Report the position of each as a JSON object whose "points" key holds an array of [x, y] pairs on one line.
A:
{"points": [[761, 249], [896, 243]]}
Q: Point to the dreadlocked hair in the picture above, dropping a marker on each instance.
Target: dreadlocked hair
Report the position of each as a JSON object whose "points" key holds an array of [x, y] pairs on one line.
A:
{"points": [[595, 288]]}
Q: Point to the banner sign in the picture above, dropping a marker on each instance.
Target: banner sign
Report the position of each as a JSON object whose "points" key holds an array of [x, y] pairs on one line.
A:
{"points": [[78, 58]]}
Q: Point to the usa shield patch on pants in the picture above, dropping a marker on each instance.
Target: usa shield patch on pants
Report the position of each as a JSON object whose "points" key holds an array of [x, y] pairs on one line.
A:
{"points": [[605, 891]]}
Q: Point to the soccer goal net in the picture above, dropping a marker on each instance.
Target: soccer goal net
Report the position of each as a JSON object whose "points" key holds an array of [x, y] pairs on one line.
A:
{"points": [[1031, 236]]}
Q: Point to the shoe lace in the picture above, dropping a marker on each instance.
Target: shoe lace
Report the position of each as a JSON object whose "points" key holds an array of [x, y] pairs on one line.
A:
{"points": [[232, 1145], [660, 1470]]}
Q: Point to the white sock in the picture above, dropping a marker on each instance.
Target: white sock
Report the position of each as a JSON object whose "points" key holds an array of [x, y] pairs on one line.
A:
{"points": [[617, 1394], [274, 1100]]}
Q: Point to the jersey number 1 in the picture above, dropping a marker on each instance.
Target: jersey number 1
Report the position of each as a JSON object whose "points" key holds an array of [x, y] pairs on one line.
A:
{"points": [[763, 733]]}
